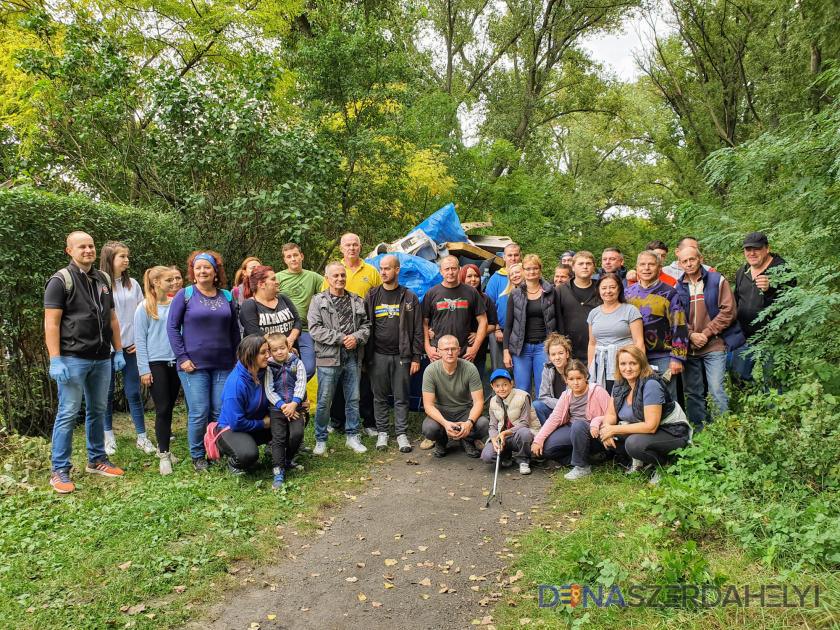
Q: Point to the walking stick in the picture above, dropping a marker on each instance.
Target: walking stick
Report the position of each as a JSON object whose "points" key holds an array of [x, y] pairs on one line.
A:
{"points": [[495, 480]]}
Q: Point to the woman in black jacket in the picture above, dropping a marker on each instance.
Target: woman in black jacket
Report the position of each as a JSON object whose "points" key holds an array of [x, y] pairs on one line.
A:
{"points": [[528, 321]]}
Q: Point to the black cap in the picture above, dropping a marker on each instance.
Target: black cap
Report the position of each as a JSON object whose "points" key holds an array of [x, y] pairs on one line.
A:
{"points": [[756, 239]]}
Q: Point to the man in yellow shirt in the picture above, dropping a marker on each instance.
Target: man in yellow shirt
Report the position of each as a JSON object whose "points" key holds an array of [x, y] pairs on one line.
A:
{"points": [[361, 278]]}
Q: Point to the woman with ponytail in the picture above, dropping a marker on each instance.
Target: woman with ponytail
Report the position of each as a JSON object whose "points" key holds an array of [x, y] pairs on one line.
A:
{"points": [[265, 310], [127, 295], [155, 358]]}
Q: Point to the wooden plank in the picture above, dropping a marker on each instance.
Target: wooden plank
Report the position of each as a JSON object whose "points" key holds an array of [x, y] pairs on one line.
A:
{"points": [[476, 253]]}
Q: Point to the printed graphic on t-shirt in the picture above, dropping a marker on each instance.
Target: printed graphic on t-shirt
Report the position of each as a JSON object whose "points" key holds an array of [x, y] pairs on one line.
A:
{"points": [[451, 305], [277, 322], [387, 310]]}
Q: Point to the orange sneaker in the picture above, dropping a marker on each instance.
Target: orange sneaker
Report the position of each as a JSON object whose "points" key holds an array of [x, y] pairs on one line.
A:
{"points": [[104, 467], [60, 480]]}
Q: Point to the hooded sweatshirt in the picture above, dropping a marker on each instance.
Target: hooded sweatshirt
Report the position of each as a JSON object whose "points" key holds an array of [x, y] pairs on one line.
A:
{"points": [[244, 403]]}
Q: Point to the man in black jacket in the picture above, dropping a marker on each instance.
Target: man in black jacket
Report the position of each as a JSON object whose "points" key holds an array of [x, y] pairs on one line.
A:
{"points": [[395, 348], [753, 294]]}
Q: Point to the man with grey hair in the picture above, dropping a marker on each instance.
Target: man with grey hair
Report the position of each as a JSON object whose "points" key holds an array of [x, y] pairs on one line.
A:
{"points": [[663, 318], [394, 349], [361, 278], [713, 331], [340, 328]]}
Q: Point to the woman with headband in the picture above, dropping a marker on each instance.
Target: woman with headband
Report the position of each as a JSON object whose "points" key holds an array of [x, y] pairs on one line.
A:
{"points": [[203, 330]]}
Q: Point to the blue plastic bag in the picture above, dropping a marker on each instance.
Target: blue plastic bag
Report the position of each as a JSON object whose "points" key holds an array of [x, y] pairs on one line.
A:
{"points": [[416, 273], [444, 226]]}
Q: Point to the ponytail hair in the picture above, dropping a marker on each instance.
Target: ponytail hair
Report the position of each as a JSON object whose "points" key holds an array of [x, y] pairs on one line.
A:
{"points": [[149, 278], [252, 281]]}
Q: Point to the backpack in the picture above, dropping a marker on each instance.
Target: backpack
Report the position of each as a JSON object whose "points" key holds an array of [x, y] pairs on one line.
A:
{"points": [[210, 438], [188, 293], [65, 275]]}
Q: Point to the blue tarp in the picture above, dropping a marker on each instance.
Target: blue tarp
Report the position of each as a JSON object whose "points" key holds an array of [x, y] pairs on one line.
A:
{"points": [[416, 273], [443, 226]]}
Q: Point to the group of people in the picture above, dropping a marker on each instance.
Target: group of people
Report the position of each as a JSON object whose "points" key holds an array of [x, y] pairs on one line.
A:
{"points": [[585, 365]]}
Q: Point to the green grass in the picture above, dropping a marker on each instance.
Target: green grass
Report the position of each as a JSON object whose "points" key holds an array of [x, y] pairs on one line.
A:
{"points": [[59, 555], [601, 529]]}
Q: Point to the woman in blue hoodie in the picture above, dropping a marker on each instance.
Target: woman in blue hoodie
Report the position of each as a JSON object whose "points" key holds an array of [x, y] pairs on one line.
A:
{"points": [[243, 420]]}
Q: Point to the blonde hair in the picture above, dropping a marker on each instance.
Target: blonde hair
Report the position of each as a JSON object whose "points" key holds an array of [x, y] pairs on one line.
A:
{"points": [[510, 286], [149, 278], [532, 258], [641, 359], [581, 255]]}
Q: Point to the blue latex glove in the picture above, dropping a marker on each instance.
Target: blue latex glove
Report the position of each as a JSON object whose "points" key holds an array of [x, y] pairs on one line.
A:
{"points": [[58, 371], [119, 361]]}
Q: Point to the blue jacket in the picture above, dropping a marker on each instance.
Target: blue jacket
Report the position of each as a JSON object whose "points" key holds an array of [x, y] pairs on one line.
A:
{"points": [[733, 337], [498, 282], [244, 403]]}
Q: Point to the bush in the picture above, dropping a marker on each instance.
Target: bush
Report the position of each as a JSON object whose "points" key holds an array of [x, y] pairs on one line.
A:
{"points": [[33, 228]]}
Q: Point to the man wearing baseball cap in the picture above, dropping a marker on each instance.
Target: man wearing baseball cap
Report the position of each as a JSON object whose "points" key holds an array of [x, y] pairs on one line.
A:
{"points": [[755, 291]]}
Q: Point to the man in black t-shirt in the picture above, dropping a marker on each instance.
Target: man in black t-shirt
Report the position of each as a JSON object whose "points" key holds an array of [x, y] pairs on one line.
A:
{"points": [[80, 327], [395, 348], [449, 308], [573, 301]]}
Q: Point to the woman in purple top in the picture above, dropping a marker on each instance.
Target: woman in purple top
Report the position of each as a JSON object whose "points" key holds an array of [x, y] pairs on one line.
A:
{"points": [[203, 330]]}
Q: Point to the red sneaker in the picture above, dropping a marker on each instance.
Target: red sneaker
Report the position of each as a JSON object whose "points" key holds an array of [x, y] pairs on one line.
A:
{"points": [[105, 468], [60, 480]]}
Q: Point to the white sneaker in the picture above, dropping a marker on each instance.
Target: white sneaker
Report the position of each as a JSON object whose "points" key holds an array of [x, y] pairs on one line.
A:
{"points": [[382, 441], [577, 472], [655, 479], [354, 443], [635, 467], [110, 446], [145, 445], [403, 443], [320, 447], [370, 432], [165, 464], [524, 468]]}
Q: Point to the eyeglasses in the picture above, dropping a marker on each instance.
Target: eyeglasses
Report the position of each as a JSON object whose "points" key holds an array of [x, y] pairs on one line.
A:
{"points": [[449, 349]]}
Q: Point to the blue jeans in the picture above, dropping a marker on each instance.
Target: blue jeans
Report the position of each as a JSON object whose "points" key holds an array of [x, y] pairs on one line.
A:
{"points": [[664, 364], [349, 374], [530, 361], [307, 354], [131, 384], [90, 379], [714, 366], [203, 392], [542, 410]]}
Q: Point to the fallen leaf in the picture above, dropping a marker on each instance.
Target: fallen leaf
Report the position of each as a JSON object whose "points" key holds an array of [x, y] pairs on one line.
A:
{"points": [[519, 575], [442, 591], [466, 498], [122, 609], [361, 565], [486, 620], [254, 624], [411, 462], [352, 580], [376, 604], [375, 553], [442, 536], [179, 589], [422, 548], [315, 574], [134, 610], [425, 582], [304, 609], [388, 585], [362, 596], [424, 596], [524, 621], [123, 567], [486, 493], [390, 562], [150, 616], [272, 617]]}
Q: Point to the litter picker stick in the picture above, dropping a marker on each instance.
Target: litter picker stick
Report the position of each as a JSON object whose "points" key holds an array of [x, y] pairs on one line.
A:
{"points": [[495, 480]]}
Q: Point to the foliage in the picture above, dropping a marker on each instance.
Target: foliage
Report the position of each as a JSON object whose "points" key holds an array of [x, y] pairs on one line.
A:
{"points": [[33, 227]]}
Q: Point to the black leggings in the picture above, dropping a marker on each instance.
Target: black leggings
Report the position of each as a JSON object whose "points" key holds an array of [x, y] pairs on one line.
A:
{"points": [[165, 388], [243, 449], [286, 436], [650, 448]]}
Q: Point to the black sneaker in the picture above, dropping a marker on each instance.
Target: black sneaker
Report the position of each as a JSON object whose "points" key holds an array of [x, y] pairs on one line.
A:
{"points": [[234, 470], [440, 449], [470, 449], [200, 464]]}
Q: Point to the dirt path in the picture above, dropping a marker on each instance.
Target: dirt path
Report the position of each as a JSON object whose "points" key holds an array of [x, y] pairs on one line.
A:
{"points": [[420, 533]]}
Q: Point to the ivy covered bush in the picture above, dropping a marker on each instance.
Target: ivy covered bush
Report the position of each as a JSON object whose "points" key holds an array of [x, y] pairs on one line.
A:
{"points": [[33, 229]]}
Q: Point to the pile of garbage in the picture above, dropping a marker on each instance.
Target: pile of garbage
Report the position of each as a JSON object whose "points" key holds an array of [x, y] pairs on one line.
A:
{"points": [[441, 235]]}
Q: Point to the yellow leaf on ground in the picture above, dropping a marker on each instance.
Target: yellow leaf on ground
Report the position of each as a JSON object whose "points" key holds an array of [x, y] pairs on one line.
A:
{"points": [[272, 617], [424, 596], [425, 582], [362, 596], [388, 585], [390, 562]]}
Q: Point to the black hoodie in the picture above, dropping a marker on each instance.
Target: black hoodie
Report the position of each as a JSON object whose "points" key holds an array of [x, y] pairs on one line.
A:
{"points": [[751, 300]]}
